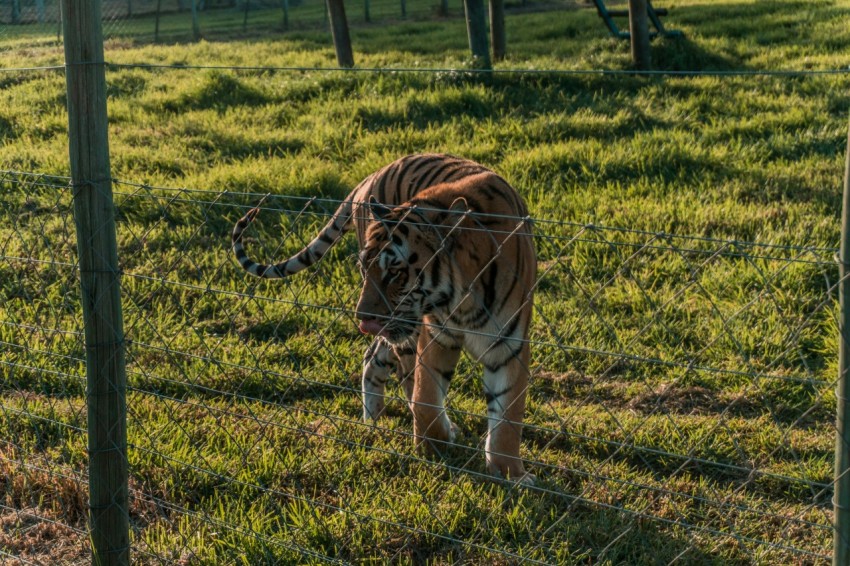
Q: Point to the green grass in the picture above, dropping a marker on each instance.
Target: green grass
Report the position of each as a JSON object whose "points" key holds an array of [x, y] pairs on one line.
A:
{"points": [[685, 333]]}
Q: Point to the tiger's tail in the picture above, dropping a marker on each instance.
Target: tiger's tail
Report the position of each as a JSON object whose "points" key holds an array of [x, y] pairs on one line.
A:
{"points": [[310, 254]]}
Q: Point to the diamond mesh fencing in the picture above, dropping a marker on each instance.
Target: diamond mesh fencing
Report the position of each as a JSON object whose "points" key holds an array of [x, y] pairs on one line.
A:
{"points": [[43, 426], [169, 20], [680, 405]]}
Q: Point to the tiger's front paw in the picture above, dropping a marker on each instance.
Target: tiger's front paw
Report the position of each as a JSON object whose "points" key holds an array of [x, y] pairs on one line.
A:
{"points": [[433, 436], [453, 430], [373, 408], [510, 469]]}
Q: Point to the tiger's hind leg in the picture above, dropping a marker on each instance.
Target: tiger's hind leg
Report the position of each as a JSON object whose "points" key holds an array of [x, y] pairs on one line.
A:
{"points": [[378, 362]]}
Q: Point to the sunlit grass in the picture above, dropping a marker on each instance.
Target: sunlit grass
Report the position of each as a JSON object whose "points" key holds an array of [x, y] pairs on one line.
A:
{"points": [[683, 367]]}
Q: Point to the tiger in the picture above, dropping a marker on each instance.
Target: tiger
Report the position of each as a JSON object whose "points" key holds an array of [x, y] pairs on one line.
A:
{"points": [[448, 263]]}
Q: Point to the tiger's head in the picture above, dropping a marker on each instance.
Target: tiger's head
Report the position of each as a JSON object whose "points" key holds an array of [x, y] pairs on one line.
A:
{"points": [[404, 269]]}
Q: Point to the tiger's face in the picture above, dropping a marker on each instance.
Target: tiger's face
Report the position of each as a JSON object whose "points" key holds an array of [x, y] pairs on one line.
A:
{"points": [[392, 299]]}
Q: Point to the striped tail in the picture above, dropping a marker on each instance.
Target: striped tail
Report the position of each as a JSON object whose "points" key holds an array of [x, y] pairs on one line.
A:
{"points": [[313, 252]]}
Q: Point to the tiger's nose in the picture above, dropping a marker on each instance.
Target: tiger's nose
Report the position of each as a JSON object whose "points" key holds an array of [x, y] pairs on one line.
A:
{"points": [[363, 312]]}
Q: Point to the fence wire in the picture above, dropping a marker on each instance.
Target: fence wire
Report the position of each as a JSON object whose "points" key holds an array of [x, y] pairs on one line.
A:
{"points": [[680, 406], [170, 20]]}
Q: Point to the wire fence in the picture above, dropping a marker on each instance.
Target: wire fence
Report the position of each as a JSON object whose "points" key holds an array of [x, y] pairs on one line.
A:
{"points": [[680, 402], [169, 20], [680, 407]]}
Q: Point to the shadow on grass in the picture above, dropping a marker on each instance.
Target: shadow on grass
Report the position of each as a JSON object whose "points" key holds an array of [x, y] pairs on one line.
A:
{"points": [[596, 536], [789, 22], [277, 363], [562, 520], [681, 55]]}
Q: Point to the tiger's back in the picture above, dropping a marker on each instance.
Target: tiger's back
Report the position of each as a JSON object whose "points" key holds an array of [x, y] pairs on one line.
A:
{"points": [[392, 185], [497, 263]]}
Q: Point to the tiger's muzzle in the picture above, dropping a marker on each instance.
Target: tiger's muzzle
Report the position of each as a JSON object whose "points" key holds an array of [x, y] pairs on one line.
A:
{"points": [[393, 330]]}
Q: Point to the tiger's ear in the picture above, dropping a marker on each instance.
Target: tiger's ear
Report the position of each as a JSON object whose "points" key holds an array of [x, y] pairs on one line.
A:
{"points": [[459, 205], [379, 211]]}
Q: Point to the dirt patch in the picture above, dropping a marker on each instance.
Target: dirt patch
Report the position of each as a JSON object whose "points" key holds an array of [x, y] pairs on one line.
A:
{"points": [[692, 400], [34, 538], [44, 510], [676, 399], [573, 387], [668, 398]]}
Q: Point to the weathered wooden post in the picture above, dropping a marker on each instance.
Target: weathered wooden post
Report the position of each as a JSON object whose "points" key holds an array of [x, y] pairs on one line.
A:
{"points": [[156, 22], [639, 32], [196, 25], [59, 21], [476, 28], [339, 31], [841, 500], [497, 28], [94, 215]]}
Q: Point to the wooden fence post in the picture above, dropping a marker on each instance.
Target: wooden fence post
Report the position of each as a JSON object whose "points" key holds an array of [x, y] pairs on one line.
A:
{"points": [[156, 22], [639, 32], [476, 28], [339, 31], [196, 24], [94, 215], [497, 28], [841, 500]]}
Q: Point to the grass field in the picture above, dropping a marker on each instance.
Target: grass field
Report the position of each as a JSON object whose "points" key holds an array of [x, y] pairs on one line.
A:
{"points": [[684, 342]]}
